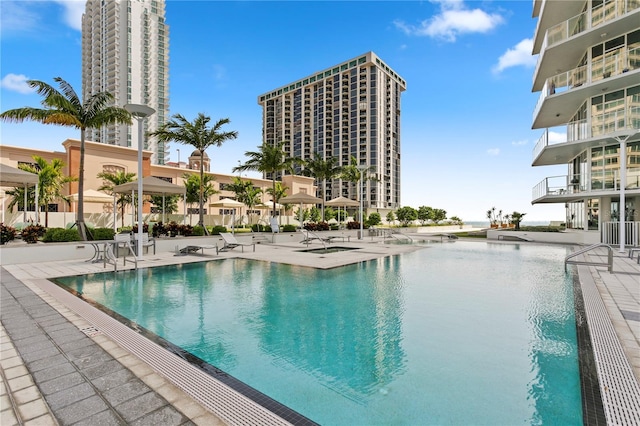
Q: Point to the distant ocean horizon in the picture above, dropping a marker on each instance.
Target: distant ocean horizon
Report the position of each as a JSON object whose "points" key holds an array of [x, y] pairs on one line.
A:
{"points": [[485, 223]]}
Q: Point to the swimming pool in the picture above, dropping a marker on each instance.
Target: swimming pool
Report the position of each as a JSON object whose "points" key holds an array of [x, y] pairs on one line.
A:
{"points": [[452, 334]]}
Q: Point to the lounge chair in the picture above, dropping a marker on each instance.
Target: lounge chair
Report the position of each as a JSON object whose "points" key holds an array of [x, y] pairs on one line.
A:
{"points": [[230, 242], [191, 249]]}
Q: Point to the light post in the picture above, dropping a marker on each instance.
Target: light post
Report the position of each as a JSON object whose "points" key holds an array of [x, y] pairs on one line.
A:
{"points": [[178, 149], [139, 112], [361, 169]]}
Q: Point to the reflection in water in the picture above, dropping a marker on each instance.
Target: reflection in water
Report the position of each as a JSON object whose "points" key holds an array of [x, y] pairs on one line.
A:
{"points": [[450, 334], [346, 334]]}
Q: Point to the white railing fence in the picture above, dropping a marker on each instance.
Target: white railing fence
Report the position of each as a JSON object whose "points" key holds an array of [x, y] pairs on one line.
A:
{"points": [[610, 233]]}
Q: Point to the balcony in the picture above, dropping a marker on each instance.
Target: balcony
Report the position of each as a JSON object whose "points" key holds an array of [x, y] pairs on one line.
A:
{"points": [[584, 134], [568, 188], [565, 43], [585, 81]]}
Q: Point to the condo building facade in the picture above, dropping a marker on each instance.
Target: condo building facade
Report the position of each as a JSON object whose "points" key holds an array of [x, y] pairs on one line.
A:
{"points": [[350, 110], [125, 51], [588, 76]]}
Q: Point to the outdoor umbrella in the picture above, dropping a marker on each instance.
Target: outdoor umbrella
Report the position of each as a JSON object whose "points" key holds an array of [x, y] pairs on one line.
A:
{"points": [[10, 176], [228, 202], [151, 186], [300, 198], [92, 196], [342, 202]]}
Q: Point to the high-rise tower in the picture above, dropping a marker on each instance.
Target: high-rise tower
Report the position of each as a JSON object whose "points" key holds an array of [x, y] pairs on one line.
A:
{"points": [[349, 110], [125, 51], [588, 76]]}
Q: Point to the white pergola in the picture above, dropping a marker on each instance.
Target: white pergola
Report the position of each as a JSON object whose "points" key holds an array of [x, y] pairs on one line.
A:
{"points": [[10, 176]]}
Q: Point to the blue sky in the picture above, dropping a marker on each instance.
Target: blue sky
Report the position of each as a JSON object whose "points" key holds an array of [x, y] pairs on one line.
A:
{"points": [[466, 114]]}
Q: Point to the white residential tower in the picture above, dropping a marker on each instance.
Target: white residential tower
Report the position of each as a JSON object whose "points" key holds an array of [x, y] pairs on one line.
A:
{"points": [[125, 51]]}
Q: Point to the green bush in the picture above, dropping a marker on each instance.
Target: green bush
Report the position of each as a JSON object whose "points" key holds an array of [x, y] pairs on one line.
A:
{"points": [[102, 234], [198, 231], [260, 228], [288, 228], [216, 230], [58, 235]]}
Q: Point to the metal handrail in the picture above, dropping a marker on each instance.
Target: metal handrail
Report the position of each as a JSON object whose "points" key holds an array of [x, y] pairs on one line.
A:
{"points": [[609, 263], [392, 234]]}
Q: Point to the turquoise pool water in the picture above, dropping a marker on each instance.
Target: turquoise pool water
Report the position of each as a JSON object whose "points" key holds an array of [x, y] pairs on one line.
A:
{"points": [[463, 333]]}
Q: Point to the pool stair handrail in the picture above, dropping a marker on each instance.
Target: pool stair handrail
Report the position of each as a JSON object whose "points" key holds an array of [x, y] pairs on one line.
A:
{"points": [[608, 264], [310, 236], [110, 257], [393, 233]]}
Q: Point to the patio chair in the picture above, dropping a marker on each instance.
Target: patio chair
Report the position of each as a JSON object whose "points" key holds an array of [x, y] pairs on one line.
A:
{"points": [[146, 242], [230, 242]]}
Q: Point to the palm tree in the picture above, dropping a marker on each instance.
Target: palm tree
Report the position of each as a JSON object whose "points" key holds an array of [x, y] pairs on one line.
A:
{"points": [[322, 170], [50, 182], [195, 191], [114, 179], [269, 159], [352, 173], [199, 135], [279, 191], [65, 108]]}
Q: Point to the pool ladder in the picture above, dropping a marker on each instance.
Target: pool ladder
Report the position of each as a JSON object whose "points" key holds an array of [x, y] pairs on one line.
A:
{"points": [[608, 264]]}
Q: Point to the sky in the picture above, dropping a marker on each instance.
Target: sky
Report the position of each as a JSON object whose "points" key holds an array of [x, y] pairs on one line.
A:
{"points": [[466, 117]]}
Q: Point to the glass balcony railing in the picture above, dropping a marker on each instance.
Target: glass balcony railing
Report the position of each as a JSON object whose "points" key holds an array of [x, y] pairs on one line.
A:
{"points": [[596, 181], [611, 64], [592, 18]]}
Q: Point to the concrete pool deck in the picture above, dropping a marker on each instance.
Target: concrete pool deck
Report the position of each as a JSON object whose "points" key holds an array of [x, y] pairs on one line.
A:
{"points": [[58, 367]]}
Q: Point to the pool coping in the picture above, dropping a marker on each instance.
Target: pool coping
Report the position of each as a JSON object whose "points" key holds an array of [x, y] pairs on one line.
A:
{"points": [[615, 406]]}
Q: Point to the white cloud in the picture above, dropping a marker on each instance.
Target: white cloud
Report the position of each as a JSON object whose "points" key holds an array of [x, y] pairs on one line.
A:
{"points": [[219, 72], [30, 16], [73, 10], [516, 56], [493, 151], [16, 83], [18, 16], [520, 143], [453, 20], [556, 137]]}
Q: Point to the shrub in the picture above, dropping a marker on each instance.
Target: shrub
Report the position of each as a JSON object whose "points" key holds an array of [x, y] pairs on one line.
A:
{"points": [[198, 231], [316, 226], [58, 235], [145, 228], [7, 233], [216, 230], [288, 228], [185, 230], [260, 228], [158, 229], [101, 234], [172, 228], [356, 225], [374, 219], [32, 233]]}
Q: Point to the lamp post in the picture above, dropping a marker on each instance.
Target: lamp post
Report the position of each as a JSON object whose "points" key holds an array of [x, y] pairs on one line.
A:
{"points": [[139, 112], [361, 169], [178, 149]]}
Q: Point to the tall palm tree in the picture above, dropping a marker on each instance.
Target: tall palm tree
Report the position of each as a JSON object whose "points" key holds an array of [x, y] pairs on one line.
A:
{"points": [[322, 170], [199, 135], [114, 179], [50, 182], [63, 107], [195, 191], [352, 173], [277, 192], [269, 159]]}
